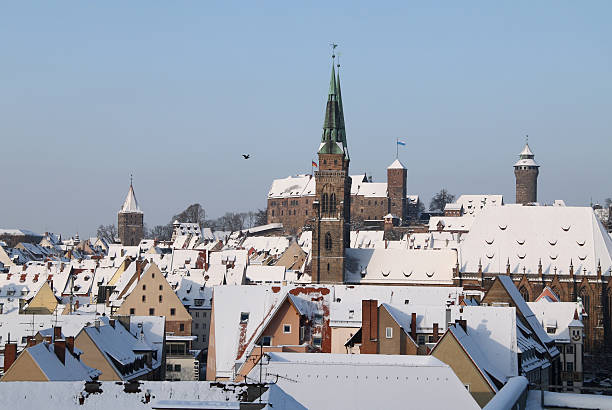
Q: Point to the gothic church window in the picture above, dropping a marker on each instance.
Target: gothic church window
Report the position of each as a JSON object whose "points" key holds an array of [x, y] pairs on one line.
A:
{"points": [[324, 203], [584, 296], [332, 203]]}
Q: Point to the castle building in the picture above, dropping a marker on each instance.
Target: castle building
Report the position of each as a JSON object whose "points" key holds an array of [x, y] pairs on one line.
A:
{"points": [[130, 220], [332, 201], [526, 171]]}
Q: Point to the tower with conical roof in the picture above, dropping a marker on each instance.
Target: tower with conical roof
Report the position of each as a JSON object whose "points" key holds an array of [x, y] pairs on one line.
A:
{"points": [[526, 171], [331, 228], [130, 220]]}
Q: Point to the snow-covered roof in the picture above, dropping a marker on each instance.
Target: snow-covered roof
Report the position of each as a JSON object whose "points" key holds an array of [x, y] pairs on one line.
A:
{"points": [[367, 239], [66, 395], [377, 266], [370, 189], [18, 232], [366, 381], [451, 223], [45, 358], [265, 274], [292, 186], [397, 164], [130, 204], [524, 236], [556, 315]]}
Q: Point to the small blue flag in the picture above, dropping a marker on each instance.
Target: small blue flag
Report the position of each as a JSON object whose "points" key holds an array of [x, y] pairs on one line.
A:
{"points": [[400, 142]]}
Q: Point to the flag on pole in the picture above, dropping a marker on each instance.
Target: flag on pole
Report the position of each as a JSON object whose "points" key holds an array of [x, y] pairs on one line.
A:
{"points": [[314, 164], [400, 142]]}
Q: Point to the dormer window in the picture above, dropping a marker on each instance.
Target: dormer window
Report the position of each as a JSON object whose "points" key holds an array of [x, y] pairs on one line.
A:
{"points": [[244, 317]]}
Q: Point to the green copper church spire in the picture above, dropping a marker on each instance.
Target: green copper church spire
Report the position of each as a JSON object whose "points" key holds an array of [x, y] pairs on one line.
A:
{"points": [[333, 140]]}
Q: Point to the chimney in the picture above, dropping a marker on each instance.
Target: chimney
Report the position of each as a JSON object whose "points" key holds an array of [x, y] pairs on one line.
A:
{"points": [[10, 355], [448, 318], [22, 303], [70, 344], [112, 322], [57, 332], [60, 350], [76, 304], [462, 323], [97, 324], [461, 298], [369, 326], [435, 333]]}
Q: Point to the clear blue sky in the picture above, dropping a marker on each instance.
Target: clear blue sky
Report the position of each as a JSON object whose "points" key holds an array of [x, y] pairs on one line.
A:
{"points": [[175, 91]]}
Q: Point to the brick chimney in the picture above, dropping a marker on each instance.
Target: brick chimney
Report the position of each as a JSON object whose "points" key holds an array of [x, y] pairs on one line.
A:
{"points": [[57, 332], [462, 323], [436, 334], [59, 346], [70, 344], [369, 326], [413, 327], [10, 355]]}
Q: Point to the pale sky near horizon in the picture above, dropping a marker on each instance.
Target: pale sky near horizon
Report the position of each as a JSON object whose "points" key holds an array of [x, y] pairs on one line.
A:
{"points": [[175, 92]]}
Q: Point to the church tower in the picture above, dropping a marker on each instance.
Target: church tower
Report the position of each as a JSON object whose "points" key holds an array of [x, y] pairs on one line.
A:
{"points": [[331, 230], [130, 220], [526, 171]]}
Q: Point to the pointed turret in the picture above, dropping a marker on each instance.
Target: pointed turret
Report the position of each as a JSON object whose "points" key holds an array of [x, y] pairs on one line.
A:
{"points": [[130, 204], [333, 140]]}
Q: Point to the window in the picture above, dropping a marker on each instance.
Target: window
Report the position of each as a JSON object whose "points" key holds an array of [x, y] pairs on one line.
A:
{"points": [[286, 328], [467, 387], [524, 293], [351, 314], [197, 314], [389, 332], [161, 287], [132, 311], [198, 302], [244, 317], [144, 298], [550, 330], [177, 367], [153, 275], [273, 212], [172, 311], [430, 339], [160, 298], [406, 301], [332, 203], [204, 314], [318, 317], [316, 341], [421, 339], [569, 349], [324, 203], [182, 327], [144, 287], [196, 325], [328, 241], [168, 367], [570, 366], [266, 341], [151, 311]]}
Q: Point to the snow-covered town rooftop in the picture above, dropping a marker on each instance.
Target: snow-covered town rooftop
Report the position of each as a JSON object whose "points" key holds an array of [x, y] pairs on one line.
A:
{"points": [[378, 266], [397, 164], [527, 236], [292, 186], [331, 381]]}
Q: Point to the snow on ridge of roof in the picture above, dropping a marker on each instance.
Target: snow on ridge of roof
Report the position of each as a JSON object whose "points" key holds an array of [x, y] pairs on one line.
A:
{"points": [[397, 164], [561, 313], [358, 359], [18, 232]]}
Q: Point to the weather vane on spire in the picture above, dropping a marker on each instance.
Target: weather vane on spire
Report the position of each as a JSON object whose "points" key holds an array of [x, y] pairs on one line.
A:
{"points": [[526, 139], [131, 179], [333, 46]]}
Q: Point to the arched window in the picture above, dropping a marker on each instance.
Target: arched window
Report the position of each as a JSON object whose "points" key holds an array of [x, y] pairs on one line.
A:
{"points": [[332, 203], [524, 293], [328, 241], [584, 296], [324, 203]]}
